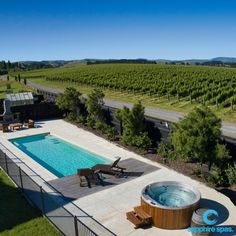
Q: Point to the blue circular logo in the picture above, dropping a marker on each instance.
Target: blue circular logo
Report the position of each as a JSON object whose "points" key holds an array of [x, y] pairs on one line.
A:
{"points": [[213, 214]]}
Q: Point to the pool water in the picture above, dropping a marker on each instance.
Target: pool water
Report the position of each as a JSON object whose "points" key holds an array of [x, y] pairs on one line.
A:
{"points": [[56, 155], [171, 195]]}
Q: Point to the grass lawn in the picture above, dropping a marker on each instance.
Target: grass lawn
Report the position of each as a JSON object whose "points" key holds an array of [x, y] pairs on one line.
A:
{"points": [[17, 217], [16, 87], [183, 106]]}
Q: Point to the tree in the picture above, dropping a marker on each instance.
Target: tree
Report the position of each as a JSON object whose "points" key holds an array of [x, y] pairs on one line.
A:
{"points": [[94, 105], [197, 137], [8, 65], [134, 128], [222, 156], [69, 100], [8, 86]]}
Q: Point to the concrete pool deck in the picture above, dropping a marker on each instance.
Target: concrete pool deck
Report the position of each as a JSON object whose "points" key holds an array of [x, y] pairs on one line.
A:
{"points": [[110, 205]]}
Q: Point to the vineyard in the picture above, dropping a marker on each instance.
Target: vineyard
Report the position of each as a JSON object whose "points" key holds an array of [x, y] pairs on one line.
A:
{"points": [[207, 85]]}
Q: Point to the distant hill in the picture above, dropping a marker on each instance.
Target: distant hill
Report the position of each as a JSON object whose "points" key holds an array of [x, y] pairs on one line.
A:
{"points": [[31, 65], [217, 61], [225, 59], [41, 64]]}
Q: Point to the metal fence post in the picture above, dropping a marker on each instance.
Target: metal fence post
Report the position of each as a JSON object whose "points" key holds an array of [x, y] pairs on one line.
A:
{"points": [[21, 182], [42, 200], [76, 226], [5, 155]]}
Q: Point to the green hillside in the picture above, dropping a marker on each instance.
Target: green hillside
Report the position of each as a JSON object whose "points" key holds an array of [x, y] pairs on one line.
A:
{"points": [[175, 84]]}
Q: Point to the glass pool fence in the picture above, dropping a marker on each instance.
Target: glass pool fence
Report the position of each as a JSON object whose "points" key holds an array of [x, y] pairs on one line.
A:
{"points": [[48, 200]]}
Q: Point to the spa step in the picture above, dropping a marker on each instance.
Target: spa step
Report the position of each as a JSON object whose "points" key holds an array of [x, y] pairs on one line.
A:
{"points": [[138, 221]]}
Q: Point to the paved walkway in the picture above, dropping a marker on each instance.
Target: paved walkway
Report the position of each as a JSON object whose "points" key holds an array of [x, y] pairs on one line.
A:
{"points": [[227, 128]]}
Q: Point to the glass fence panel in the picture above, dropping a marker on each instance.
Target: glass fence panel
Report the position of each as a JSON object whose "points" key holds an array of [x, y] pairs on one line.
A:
{"points": [[58, 215], [14, 172], [50, 203], [31, 190], [3, 161]]}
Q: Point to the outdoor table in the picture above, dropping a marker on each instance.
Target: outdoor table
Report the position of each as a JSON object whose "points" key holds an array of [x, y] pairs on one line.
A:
{"points": [[16, 126]]}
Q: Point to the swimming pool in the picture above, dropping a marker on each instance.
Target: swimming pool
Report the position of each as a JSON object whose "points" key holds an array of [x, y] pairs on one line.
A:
{"points": [[56, 155]]}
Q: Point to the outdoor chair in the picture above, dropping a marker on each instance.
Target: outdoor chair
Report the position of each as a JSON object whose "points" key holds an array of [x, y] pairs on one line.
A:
{"points": [[87, 176], [112, 169], [4, 128], [29, 124]]}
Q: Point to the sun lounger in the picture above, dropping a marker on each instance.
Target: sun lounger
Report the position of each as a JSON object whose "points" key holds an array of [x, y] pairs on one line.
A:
{"points": [[112, 169], [88, 175]]}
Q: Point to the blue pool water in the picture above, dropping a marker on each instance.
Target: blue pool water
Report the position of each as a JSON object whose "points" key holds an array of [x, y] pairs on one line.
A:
{"points": [[56, 155], [171, 195]]}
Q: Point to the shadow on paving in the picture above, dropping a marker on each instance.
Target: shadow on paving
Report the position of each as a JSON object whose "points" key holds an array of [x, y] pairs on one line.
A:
{"points": [[229, 193], [69, 186]]}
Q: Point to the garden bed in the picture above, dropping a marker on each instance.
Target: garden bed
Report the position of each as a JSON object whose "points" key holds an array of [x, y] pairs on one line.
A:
{"points": [[193, 170]]}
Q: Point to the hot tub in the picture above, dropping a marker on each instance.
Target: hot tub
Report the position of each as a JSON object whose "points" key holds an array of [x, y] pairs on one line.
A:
{"points": [[171, 204]]}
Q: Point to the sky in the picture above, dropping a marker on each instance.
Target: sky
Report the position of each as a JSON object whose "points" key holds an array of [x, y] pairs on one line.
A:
{"points": [[152, 29]]}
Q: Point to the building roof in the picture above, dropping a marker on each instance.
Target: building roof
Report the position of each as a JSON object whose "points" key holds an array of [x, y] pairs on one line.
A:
{"points": [[20, 96]]}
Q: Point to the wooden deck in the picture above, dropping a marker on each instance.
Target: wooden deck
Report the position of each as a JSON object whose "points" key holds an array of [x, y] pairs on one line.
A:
{"points": [[69, 186]]}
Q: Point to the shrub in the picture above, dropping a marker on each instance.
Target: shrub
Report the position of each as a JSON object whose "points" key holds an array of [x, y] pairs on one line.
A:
{"points": [[231, 174], [90, 122], [111, 133], [99, 125], [163, 150], [197, 173], [81, 119], [141, 141], [8, 86], [219, 177], [197, 138], [166, 151], [22, 91], [70, 100], [94, 105], [133, 127], [71, 116], [108, 130], [222, 156]]}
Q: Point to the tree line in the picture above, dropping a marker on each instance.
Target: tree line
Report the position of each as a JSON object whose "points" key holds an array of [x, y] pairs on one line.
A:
{"points": [[197, 138]]}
